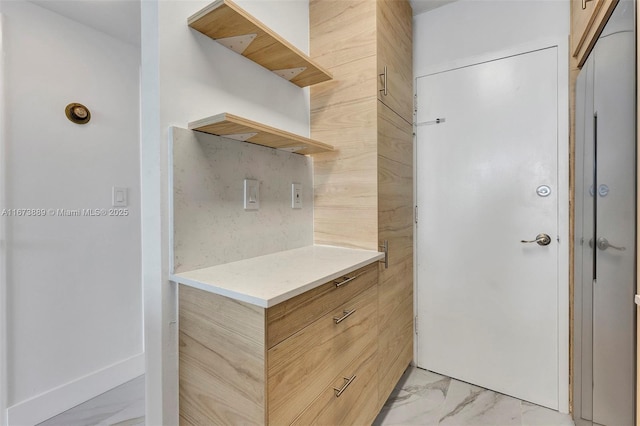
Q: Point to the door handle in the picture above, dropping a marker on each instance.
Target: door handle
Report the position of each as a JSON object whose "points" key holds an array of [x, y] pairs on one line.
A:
{"points": [[604, 244], [384, 76], [541, 240], [584, 4]]}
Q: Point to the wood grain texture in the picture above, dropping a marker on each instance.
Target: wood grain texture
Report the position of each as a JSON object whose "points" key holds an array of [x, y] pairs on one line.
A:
{"points": [[581, 21], [226, 124], [364, 190], [301, 366], [362, 393], [395, 225], [587, 24], [222, 360], [223, 18], [290, 316], [395, 350], [343, 111], [395, 50]]}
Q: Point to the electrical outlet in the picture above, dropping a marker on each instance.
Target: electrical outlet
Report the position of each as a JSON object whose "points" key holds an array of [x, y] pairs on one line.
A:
{"points": [[251, 194], [119, 197], [296, 195]]}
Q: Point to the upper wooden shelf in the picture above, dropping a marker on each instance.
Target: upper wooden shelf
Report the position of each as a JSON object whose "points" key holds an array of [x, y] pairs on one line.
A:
{"points": [[233, 27], [238, 128]]}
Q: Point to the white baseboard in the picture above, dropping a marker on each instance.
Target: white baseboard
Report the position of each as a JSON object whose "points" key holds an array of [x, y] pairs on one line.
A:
{"points": [[57, 400]]}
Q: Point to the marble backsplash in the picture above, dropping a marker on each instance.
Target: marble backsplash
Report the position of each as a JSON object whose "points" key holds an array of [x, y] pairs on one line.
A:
{"points": [[210, 225]]}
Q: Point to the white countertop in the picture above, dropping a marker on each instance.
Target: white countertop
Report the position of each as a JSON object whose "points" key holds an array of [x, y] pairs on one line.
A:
{"points": [[268, 280]]}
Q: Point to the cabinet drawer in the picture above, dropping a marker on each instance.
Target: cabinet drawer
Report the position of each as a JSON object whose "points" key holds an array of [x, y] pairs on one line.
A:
{"points": [[290, 316], [300, 367], [361, 392]]}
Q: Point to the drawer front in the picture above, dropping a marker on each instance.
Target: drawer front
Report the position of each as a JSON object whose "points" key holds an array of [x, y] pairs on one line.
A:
{"points": [[351, 398], [290, 316], [300, 367]]}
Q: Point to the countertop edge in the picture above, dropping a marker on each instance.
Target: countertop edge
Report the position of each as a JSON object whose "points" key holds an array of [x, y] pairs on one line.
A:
{"points": [[267, 303], [221, 291], [310, 286]]}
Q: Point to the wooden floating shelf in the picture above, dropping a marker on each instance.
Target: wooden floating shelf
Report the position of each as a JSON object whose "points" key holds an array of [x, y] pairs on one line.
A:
{"points": [[241, 129], [233, 27]]}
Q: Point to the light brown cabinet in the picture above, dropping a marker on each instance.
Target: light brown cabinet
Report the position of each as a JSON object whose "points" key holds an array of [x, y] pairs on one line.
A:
{"points": [[242, 364], [588, 18], [364, 189], [394, 44]]}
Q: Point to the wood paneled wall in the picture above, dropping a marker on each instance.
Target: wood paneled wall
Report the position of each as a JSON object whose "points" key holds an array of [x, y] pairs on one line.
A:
{"points": [[343, 111]]}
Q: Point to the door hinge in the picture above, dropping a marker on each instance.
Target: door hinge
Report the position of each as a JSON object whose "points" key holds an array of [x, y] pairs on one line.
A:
{"points": [[415, 324], [416, 215]]}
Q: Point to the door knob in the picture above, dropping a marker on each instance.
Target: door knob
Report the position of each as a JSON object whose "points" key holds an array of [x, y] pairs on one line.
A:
{"points": [[541, 240], [603, 244]]}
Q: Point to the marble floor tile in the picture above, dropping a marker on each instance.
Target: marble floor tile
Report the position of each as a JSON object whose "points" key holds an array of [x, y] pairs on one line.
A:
{"points": [[474, 406], [131, 415], [417, 399], [420, 398], [534, 415], [425, 398], [106, 409]]}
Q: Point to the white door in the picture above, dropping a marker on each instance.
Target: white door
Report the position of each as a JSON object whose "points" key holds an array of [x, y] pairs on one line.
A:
{"points": [[487, 178]]}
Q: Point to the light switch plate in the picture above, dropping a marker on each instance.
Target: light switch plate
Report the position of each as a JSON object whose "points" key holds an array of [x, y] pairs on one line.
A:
{"points": [[119, 197], [251, 194], [296, 195]]}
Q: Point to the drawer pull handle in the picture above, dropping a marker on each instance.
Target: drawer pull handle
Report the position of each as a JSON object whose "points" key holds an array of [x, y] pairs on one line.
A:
{"points": [[346, 280], [344, 317], [345, 386]]}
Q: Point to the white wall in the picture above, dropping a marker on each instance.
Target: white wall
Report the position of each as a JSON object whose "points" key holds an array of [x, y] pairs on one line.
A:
{"points": [[186, 77], [74, 300], [470, 28]]}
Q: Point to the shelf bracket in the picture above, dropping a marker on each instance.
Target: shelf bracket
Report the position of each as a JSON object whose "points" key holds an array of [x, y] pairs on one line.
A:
{"points": [[242, 137], [290, 73], [291, 148], [237, 43]]}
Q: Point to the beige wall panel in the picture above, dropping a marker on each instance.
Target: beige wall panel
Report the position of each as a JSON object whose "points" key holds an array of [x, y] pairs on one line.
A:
{"points": [[344, 228], [352, 81], [344, 112], [222, 360], [341, 31]]}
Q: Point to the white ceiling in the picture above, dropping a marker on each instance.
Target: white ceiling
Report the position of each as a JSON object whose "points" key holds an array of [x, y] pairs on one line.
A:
{"points": [[118, 18], [421, 6], [121, 18]]}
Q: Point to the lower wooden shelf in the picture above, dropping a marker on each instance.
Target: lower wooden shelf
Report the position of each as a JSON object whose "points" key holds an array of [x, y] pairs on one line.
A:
{"points": [[240, 129]]}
